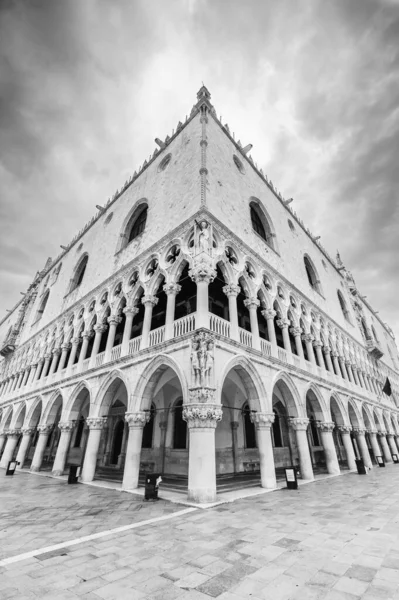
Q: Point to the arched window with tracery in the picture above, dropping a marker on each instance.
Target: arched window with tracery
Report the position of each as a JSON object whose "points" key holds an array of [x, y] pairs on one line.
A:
{"points": [[312, 275], [79, 273], [138, 224], [260, 224], [42, 306]]}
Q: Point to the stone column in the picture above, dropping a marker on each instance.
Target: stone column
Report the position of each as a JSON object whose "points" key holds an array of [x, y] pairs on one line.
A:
{"points": [[317, 345], [296, 332], [263, 423], [385, 447], [391, 443], [46, 366], [3, 440], [361, 442], [64, 352], [346, 440], [396, 439], [349, 371], [32, 373], [171, 290], [337, 369], [86, 335], [326, 430], [231, 290], [56, 352], [66, 428], [355, 375], [12, 440], [25, 378], [99, 330], [252, 305], [269, 315], [341, 362], [96, 425], [234, 445], [308, 339], [113, 323], [300, 426], [136, 422], [24, 445], [44, 432], [130, 313], [17, 381], [40, 365], [283, 324], [75, 343], [203, 274], [202, 420], [361, 378], [149, 303]]}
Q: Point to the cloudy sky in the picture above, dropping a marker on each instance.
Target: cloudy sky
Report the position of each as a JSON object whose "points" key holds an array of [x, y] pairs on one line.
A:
{"points": [[86, 86]]}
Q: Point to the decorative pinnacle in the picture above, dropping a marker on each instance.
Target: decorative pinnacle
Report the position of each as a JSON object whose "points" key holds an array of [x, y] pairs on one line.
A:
{"points": [[203, 93]]}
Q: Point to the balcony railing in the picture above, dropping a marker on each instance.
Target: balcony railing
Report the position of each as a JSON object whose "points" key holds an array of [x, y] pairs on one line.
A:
{"points": [[116, 352], [219, 325], [296, 361], [245, 337], [282, 354], [134, 345], [85, 364], [100, 359], [184, 325], [266, 347], [156, 336]]}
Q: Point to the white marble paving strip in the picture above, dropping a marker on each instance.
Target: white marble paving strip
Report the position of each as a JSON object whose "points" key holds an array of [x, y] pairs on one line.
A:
{"points": [[93, 536]]}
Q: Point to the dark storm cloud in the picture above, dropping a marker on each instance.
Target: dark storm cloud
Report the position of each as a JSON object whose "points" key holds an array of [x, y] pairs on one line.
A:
{"points": [[86, 86]]}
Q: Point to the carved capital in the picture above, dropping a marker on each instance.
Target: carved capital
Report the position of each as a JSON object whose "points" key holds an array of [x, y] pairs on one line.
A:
{"points": [[299, 423], [345, 428], [56, 351], [359, 431], [296, 331], [66, 425], [201, 395], [334, 354], [202, 415], [100, 328], [13, 432], [149, 299], [381, 433], [262, 420], [114, 320], [326, 350], [86, 335], [269, 313], [283, 323], [317, 344], [96, 422], [48, 356], [308, 337], [76, 341], [231, 289], [45, 429], [41, 361], [328, 426], [131, 310], [202, 271], [28, 430], [372, 431], [251, 303], [138, 419], [171, 289]]}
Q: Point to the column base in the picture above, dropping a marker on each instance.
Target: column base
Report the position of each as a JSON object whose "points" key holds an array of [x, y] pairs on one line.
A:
{"points": [[34, 469], [57, 473], [269, 484], [202, 496]]}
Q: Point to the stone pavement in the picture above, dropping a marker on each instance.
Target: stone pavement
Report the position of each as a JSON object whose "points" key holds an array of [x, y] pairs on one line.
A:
{"points": [[336, 539]]}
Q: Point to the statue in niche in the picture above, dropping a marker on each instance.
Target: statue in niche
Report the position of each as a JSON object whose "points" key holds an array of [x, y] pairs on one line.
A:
{"points": [[203, 237], [202, 359]]}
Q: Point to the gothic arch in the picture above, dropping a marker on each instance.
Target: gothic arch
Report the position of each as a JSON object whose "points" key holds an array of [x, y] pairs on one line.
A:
{"points": [[149, 378], [367, 417], [355, 417], [129, 221], [33, 411], [251, 379], [321, 410], [344, 418], [261, 222], [68, 413], [103, 399], [17, 421], [79, 272], [7, 417], [51, 409], [294, 400]]}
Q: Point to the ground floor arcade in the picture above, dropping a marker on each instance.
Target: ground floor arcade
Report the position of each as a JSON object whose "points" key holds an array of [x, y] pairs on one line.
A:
{"points": [[117, 430]]}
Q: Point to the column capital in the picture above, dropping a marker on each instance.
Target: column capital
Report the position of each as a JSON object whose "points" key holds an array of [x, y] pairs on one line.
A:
{"points": [[201, 416], [131, 310], [231, 289], [56, 351], [171, 289], [283, 323], [296, 331], [269, 313], [381, 433], [262, 420], [326, 425], [317, 344], [66, 425], [334, 353], [326, 350], [372, 431], [202, 272], [76, 341], [13, 432], [299, 423], [137, 420], [345, 428], [359, 431], [96, 422], [114, 320], [149, 299], [100, 328], [86, 335], [41, 360], [48, 356], [341, 359], [307, 337], [44, 429], [28, 430], [251, 302], [391, 435]]}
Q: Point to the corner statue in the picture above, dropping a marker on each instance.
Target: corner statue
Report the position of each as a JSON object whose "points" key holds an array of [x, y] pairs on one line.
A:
{"points": [[202, 359]]}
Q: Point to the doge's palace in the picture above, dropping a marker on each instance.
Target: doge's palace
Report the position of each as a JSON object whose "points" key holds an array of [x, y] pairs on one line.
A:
{"points": [[196, 328]]}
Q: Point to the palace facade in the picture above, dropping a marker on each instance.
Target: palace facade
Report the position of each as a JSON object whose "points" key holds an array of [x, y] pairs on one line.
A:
{"points": [[196, 328]]}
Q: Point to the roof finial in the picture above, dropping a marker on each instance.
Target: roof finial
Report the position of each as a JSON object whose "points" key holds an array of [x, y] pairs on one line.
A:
{"points": [[203, 93]]}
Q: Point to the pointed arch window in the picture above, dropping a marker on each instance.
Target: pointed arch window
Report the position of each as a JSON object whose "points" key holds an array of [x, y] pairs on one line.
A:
{"points": [[79, 273], [260, 224], [42, 306], [138, 224], [312, 275], [344, 308]]}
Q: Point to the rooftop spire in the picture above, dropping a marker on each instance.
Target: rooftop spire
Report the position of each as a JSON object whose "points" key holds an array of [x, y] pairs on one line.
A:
{"points": [[203, 93]]}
